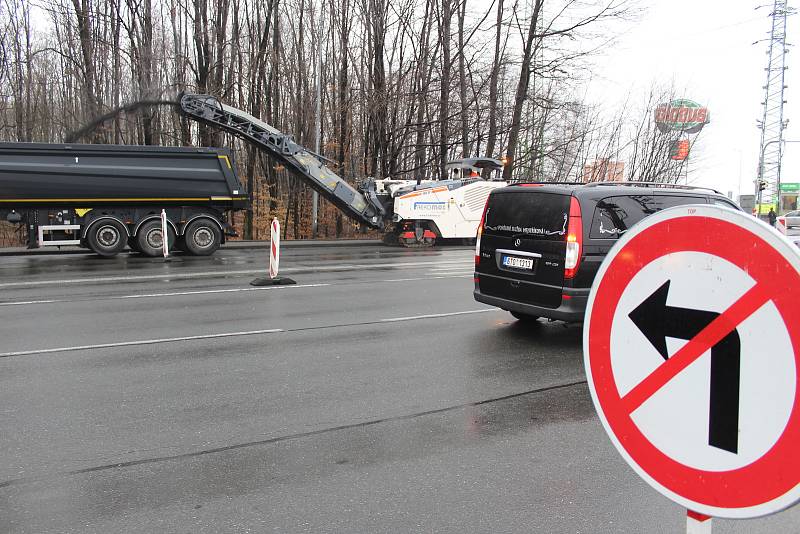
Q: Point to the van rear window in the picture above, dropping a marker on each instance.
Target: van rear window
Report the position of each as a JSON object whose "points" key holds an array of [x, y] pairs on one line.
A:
{"points": [[535, 214]]}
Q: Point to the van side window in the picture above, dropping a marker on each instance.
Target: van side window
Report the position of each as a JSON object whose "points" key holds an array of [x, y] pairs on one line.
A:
{"points": [[724, 203], [614, 216], [670, 201]]}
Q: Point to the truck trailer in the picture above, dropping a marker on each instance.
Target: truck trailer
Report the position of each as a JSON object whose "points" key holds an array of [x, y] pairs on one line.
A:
{"points": [[107, 197]]}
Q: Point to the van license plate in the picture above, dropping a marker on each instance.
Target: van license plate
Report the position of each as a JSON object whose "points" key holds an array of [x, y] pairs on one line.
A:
{"points": [[517, 263]]}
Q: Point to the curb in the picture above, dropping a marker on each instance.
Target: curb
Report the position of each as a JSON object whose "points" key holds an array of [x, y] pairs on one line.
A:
{"points": [[304, 243], [231, 245]]}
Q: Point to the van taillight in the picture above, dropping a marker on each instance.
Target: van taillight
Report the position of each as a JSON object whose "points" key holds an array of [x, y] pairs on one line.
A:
{"points": [[574, 239], [480, 232]]}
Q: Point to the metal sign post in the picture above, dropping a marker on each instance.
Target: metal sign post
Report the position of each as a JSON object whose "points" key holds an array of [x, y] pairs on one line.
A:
{"points": [[697, 523], [692, 354]]}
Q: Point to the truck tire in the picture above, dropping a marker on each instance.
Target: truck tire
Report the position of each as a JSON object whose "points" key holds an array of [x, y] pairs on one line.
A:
{"points": [[202, 237], [107, 237], [149, 240]]}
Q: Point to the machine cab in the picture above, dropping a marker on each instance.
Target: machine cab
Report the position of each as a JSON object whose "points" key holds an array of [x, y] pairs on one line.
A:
{"points": [[472, 168]]}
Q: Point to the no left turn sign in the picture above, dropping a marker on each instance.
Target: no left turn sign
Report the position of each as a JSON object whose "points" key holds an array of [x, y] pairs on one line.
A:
{"points": [[692, 353]]}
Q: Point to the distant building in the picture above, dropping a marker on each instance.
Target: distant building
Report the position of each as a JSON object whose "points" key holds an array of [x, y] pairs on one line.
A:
{"points": [[604, 170]]}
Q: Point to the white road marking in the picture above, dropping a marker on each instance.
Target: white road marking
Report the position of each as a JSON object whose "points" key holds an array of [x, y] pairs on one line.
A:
{"points": [[435, 315], [454, 271], [460, 265], [226, 334], [439, 276], [173, 294], [175, 276], [209, 291], [138, 342], [207, 274], [425, 278], [26, 302]]}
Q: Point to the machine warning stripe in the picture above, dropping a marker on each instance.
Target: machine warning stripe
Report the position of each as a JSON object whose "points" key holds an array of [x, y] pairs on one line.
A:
{"points": [[228, 161], [418, 193], [720, 327]]}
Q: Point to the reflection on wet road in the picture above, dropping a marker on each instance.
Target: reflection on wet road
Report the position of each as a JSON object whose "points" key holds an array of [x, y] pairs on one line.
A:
{"points": [[377, 396]]}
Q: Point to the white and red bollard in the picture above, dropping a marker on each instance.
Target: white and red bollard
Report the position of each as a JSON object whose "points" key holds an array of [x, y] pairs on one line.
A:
{"points": [[274, 260], [274, 248], [164, 235]]}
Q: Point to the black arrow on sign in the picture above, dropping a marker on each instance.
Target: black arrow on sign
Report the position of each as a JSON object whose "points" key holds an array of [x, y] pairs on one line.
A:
{"points": [[657, 321]]}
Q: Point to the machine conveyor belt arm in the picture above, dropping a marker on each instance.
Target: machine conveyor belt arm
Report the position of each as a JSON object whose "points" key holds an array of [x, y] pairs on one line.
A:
{"points": [[360, 205]]}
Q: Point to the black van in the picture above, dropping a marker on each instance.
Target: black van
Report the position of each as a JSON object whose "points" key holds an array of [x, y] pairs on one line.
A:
{"points": [[540, 245]]}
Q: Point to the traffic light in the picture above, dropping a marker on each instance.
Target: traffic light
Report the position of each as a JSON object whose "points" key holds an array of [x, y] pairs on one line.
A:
{"points": [[762, 185]]}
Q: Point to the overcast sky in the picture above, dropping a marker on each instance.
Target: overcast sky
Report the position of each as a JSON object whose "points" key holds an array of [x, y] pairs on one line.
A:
{"points": [[706, 47]]}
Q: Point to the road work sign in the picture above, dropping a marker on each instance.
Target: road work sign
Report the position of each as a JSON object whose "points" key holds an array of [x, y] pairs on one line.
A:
{"points": [[692, 353]]}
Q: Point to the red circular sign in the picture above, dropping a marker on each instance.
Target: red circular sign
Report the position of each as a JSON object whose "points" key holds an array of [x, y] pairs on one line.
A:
{"points": [[773, 481]]}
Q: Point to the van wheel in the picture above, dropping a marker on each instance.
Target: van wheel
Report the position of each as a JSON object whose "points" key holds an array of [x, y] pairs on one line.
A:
{"points": [[149, 240], [524, 317], [107, 237], [202, 237]]}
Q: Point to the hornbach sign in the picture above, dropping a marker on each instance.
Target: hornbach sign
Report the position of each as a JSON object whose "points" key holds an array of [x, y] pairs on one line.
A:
{"points": [[681, 115]]}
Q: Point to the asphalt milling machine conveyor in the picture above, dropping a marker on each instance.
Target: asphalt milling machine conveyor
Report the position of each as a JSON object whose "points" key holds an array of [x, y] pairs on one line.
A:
{"points": [[451, 209]]}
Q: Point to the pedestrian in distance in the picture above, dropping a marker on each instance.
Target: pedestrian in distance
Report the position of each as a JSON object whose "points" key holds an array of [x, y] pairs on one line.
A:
{"points": [[772, 217]]}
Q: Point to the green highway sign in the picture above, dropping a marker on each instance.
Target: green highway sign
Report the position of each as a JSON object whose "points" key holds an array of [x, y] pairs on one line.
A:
{"points": [[790, 187]]}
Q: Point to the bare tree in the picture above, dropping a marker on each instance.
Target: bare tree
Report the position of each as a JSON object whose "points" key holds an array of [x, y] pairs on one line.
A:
{"points": [[406, 84], [649, 147]]}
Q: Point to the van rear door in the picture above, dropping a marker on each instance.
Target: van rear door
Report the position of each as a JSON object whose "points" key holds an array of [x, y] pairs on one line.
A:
{"points": [[523, 245]]}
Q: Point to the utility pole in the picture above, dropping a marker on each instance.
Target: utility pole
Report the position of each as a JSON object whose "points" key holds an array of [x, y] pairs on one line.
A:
{"points": [[761, 172], [772, 123], [315, 195]]}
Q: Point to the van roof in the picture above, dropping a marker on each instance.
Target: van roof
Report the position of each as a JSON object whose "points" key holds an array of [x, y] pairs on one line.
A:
{"points": [[602, 189]]}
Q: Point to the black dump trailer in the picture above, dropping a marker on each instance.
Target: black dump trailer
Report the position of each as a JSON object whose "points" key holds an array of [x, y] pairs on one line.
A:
{"points": [[107, 197]]}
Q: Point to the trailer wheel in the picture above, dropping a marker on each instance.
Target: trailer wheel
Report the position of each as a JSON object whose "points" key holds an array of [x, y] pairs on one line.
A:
{"points": [[149, 240], [107, 237], [202, 237]]}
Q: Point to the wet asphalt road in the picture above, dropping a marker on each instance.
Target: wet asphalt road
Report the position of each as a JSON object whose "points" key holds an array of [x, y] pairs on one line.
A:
{"points": [[374, 396]]}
